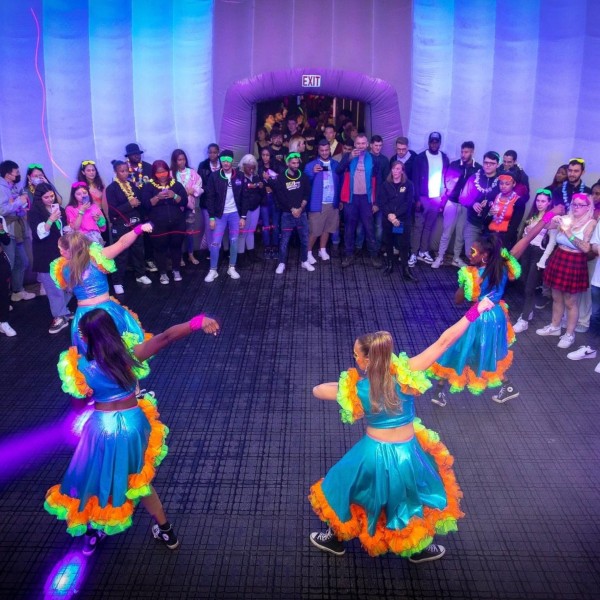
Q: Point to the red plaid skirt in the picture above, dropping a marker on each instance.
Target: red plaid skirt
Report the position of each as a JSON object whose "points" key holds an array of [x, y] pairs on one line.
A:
{"points": [[567, 272]]}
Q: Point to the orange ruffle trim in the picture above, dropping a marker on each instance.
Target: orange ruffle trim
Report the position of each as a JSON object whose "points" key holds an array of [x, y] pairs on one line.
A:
{"points": [[419, 532], [114, 519], [147, 335]]}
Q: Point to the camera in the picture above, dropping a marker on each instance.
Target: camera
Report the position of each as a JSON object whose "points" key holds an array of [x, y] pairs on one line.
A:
{"points": [[325, 168]]}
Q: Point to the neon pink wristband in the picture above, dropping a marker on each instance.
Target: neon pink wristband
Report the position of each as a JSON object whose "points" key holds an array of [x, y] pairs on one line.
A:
{"points": [[472, 314], [196, 322], [138, 230], [548, 217]]}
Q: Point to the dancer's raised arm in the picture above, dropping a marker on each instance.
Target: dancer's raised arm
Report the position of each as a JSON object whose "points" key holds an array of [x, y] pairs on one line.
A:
{"points": [[126, 240]]}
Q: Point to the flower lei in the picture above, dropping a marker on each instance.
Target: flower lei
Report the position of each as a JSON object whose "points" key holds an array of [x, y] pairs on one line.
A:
{"points": [[137, 172], [479, 188], [158, 186], [566, 199], [126, 189], [512, 264], [499, 216], [468, 280]]}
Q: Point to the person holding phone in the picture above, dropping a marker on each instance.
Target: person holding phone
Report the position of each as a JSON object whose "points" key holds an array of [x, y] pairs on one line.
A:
{"points": [[48, 221], [395, 200], [84, 215]]}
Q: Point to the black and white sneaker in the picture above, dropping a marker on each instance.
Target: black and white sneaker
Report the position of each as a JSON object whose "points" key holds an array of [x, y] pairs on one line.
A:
{"points": [[326, 541], [91, 540], [507, 392], [440, 399], [150, 266], [432, 552], [166, 536], [58, 324]]}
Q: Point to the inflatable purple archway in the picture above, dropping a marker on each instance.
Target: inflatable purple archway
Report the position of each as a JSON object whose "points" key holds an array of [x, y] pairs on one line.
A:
{"points": [[243, 95]]}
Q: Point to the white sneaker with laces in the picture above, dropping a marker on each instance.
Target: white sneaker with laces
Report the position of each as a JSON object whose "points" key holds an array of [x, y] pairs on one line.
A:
{"points": [[566, 340], [549, 330], [307, 265], [311, 259], [164, 279], [144, 279], [425, 257], [7, 330], [119, 289], [280, 269], [323, 254], [581, 353], [412, 261], [232, 272], [176, 276], [521, 325], [211, 276], [437, 263], [458, 262], [22, 295]]}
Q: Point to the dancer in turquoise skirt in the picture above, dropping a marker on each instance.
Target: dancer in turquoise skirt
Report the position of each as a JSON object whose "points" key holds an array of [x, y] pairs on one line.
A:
{"points": [[395, 489], [82, 268], [123, 440]]}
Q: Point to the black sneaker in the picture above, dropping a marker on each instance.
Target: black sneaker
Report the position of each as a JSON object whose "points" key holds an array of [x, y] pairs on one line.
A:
{"points": [[376, 262], [440, 399], [542, 302], [167, 537], [91, 540], [432, 552], [326, 541], [347, 261], [507, 392], [58, 324]]}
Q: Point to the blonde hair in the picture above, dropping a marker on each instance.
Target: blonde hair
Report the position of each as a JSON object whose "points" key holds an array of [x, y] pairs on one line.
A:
{"points": [[294, 142], [579, 224], [79, 247], [378, 347]]}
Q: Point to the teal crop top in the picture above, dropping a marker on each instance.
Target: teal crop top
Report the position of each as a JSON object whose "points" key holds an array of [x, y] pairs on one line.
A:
{"points": [[385, 420]]}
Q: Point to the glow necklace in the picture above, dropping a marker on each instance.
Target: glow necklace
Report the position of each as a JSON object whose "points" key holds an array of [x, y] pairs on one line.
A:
{"points": [[291, 178], [162, 187], [565, 196], [126, 189]]}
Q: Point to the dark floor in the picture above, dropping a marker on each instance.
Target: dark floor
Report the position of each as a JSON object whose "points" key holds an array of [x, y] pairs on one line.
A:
{"points": [[247, 440]]}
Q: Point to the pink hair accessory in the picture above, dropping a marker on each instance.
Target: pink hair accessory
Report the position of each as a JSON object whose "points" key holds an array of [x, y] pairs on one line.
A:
{"points": [[196, 322], [138, 230], [472, 314], [78, 184]]}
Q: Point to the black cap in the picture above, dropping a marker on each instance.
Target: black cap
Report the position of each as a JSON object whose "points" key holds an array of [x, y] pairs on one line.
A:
{"points": [[133, 149]]}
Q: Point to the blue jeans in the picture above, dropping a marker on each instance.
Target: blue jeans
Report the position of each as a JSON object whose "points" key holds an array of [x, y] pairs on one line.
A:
{"points": [[270, 216], [360, 232], [233, 220], [58, 298], [19, 262], [360, 209], [288, 224]]}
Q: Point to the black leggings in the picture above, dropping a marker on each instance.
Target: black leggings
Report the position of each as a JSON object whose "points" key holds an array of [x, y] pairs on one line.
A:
{"points": [[531, 277], [5, 272], [400, 240]]}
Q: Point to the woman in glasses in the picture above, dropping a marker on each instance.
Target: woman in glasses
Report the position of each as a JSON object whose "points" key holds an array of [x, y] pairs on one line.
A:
{"points": [[534, 258], [566, 273], [395, 489], [481, 358], [88, 174]]}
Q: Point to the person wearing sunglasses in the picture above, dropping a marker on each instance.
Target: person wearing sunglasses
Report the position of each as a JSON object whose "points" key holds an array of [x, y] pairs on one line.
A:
{"points": [[573, 185], [395, 489], [481, 358], [566, 273]]}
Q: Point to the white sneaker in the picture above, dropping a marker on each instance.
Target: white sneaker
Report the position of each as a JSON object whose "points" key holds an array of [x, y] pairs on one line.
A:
{"points": [[425, 257], [7, 330], [307, 265], [566, 340], [581, 353], [176, 276], [150, 266], [323, 254], [22, 295], [549, 330], [212, 275], [280, 269], [119, 289], [412, 261], [437, 263], [232, 272], [144, 279], [311, 259], [164, 279], [458, 262], [521, 325]]}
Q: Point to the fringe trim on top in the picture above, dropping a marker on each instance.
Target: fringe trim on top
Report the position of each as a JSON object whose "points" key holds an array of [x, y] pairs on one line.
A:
{"points": [[468, 279], [512, 265], [114, 519], [73, 380], [57, 273], [105, 265], [419, 532]]}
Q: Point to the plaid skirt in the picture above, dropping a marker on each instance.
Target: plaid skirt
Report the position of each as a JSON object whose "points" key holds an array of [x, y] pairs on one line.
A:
{"points": [[567, 272]]}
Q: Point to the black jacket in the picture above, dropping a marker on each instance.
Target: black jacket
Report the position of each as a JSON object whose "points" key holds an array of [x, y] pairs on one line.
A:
{"points": [[165, 211], [205, 172], [44, 250], [290, 193], [119, 209], [250, 197], [396, 198], [408, 165], [456, 177], [421, 173], [216, 193]]}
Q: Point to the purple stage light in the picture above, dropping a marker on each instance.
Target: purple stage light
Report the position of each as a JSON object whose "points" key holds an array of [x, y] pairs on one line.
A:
{"points": [[67, 577]]}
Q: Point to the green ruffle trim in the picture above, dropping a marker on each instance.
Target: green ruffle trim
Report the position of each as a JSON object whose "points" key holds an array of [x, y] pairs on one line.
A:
{"points": [[106, 265], [346, 389], [131, 340], [512, 264], [465, 281], [416, 380], [68, 373], [111, 529]]}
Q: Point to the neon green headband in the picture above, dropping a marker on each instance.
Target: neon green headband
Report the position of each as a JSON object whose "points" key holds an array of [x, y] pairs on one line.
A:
{"points": [[292, 155], [227, 159], [544, 191]]}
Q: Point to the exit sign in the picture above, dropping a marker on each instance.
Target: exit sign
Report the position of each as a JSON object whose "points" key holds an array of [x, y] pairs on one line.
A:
{"points": [[311, 81]]}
